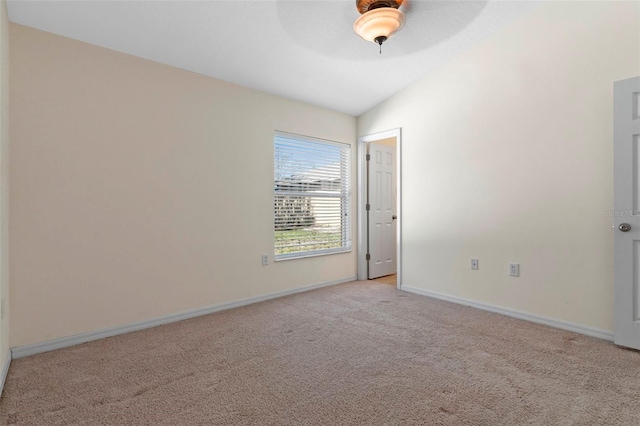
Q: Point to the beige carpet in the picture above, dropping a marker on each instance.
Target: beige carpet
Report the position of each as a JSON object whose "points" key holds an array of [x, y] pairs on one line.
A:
{"points": [[361, 353]]}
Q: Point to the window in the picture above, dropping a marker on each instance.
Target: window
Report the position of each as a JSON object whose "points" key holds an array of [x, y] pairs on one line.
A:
{"points": [[312, 196]]}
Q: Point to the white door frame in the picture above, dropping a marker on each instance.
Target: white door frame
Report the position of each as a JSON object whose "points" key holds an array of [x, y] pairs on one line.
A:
{"points": [[362, 201]]}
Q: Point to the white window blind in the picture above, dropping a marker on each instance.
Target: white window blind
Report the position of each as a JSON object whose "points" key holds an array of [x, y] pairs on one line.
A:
{"points": [[312, 196]]}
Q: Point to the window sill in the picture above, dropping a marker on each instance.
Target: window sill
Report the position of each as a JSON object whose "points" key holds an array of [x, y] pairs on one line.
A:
{"points": [[293, 256]]}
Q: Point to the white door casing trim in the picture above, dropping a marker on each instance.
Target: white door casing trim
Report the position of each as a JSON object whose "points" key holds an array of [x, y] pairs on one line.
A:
{"points": [[362, 200]]}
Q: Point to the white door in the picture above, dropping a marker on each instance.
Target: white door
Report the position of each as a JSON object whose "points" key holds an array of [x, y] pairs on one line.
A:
{"points": [[627, 212], [381, 209]]}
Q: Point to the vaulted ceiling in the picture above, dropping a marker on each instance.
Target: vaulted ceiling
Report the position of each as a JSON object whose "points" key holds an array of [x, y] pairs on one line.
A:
{"points": [[303, 49]]}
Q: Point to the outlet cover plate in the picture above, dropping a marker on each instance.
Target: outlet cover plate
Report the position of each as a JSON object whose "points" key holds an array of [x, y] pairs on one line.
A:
{"points": [[514, 269]]}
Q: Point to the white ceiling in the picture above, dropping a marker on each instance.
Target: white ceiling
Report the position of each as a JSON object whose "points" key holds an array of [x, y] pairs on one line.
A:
{"points": [[303, 49]]}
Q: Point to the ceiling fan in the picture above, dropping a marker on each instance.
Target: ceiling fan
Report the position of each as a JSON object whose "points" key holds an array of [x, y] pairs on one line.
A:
{"points": [[379, 19]]}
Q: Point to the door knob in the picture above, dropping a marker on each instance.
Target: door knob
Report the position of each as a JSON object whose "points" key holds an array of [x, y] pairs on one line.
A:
{"points": [[624, 227], [394, 217]]}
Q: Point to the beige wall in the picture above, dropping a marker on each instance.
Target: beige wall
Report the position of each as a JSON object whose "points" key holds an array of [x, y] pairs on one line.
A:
{"points": [[507, 157], [140, 190], [4, 181]]}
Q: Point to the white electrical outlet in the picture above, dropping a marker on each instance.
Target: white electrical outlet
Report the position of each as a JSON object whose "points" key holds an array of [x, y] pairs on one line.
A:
{"points": [[514, 269], [265, 259], [474, 264]]}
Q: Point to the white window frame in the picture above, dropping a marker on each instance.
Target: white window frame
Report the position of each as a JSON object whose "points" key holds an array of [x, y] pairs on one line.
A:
{"points": [[344, 197]]}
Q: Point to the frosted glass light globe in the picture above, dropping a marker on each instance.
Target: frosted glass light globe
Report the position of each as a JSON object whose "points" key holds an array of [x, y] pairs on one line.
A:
{"points": [[379, 23]]}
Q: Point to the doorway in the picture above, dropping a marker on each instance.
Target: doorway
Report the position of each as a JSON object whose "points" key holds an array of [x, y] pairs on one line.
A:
{"points": [[379, 207]]}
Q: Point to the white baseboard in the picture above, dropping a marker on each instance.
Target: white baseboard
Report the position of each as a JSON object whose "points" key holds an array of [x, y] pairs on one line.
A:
{"points": [[555, 323], [5, 371], [63, 342]]}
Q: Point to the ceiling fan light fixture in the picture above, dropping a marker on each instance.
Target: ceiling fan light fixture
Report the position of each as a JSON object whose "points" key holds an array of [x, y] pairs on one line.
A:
{"points": [[379, 20], [382, 22]]}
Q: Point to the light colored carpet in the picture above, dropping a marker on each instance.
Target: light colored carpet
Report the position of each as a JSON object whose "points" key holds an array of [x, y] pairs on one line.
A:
{"points": [[358, 353]]}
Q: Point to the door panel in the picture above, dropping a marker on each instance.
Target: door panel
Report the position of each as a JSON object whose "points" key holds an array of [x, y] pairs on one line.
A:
{"points": [[382, 202], [627, 212]]}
